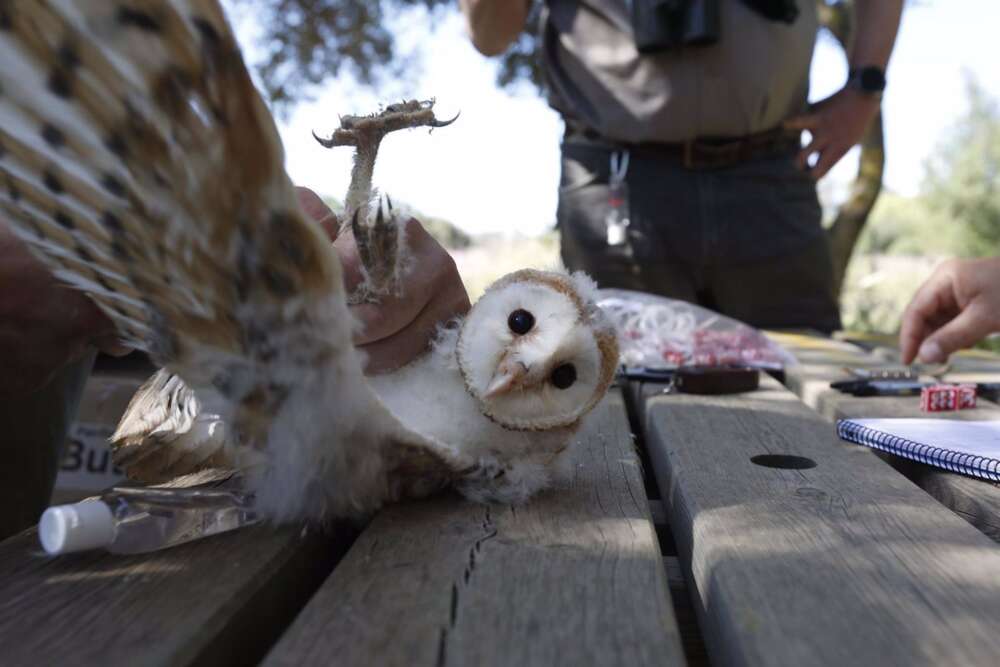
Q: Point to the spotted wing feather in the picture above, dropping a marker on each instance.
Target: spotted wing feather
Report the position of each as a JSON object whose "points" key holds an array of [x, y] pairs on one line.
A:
{"points": [[165, 433], [139, 159]]}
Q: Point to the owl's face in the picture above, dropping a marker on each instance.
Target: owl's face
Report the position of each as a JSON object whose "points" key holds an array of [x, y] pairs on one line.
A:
{"points": [[535, 351]]}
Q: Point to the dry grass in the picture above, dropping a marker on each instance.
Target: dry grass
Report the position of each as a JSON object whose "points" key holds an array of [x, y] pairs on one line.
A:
{"points": [[489, 258]]}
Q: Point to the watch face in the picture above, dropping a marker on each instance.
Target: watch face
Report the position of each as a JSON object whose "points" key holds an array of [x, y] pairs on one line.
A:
{"points": [[872, 79]]}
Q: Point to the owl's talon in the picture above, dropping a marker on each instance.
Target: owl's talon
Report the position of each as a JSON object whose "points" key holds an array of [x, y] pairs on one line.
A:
{"points": [[366, 132], [325, 143], [444, 123], [379, 248], [379, 242]]}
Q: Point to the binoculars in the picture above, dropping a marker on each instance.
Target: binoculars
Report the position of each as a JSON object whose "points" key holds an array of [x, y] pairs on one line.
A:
{"points": [[662, 25]]}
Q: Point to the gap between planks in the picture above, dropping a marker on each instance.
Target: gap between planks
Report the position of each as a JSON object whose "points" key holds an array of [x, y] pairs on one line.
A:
{"points": [[223, 600]]}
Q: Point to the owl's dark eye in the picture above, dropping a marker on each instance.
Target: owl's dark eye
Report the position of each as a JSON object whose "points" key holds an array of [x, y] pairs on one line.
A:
{"points": [[564, 376], [521, 321]]}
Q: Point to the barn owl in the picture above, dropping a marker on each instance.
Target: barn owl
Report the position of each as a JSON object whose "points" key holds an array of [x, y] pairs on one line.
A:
{"points": [[140, 163]]}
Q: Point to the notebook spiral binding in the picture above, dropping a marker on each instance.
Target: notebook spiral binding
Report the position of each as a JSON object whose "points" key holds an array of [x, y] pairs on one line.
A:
{"points": [[966, 464]]}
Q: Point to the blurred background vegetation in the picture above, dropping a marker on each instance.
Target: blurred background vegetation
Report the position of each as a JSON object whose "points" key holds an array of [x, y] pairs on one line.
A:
{"points": [[955, 213]]}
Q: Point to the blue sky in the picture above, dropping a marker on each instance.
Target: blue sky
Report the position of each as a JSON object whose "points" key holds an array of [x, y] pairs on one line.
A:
{"points": [[497, 168]]}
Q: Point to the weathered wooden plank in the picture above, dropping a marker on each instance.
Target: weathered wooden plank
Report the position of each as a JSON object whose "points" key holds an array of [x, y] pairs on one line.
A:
{"points": [[843, 563], [572, 578], [220, 601], [687, 616], [975, 500]]}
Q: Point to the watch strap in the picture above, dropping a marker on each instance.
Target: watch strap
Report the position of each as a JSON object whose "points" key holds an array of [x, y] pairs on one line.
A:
{"points": [[870, 80]]}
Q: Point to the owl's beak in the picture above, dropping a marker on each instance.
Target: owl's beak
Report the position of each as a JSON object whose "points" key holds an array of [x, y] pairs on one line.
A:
{"points": [[509, 376]]}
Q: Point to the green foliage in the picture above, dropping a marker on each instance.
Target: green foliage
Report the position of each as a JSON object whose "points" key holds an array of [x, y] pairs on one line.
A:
{"points": [[908, 226], [877, 289], [521, 63], [956, 213], [963, 180], [307, 42], [447, 234]]}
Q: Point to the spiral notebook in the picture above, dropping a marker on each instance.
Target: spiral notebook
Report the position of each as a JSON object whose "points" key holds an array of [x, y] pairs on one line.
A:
{"points": [[967, 447]]}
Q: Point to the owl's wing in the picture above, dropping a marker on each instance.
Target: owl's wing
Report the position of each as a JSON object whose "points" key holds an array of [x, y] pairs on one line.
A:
{"points": [[165, 433], [138, 161]]}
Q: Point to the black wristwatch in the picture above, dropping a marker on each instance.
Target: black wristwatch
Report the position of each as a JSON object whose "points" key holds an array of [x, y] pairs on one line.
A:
{"points": [[868, 80]]}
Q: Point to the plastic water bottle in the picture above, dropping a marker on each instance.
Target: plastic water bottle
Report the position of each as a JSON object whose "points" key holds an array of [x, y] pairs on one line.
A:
{"points": [[137, 520]]}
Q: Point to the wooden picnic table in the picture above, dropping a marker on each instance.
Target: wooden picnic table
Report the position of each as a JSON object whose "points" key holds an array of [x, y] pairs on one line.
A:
{"points": [[695, 530]]}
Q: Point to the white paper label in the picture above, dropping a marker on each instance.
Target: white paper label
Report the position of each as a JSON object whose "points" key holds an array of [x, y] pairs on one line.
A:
{"points": [[616, 233], [87, 464]]}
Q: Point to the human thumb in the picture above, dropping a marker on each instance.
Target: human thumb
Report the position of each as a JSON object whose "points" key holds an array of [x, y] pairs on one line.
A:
{"points": [[316, 208]]}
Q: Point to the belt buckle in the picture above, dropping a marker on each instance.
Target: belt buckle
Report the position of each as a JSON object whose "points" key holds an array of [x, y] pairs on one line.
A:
{"points": [[701, 155]]}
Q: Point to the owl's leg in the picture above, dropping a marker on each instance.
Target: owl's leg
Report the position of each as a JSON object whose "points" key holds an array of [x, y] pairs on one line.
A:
{"points": [[365, 133], [416, 467], [379, 241]]}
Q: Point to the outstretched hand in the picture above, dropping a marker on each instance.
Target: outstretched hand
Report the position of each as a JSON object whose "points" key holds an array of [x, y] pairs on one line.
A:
{"points": [[399, 328], [836, 124], [956, 307]]}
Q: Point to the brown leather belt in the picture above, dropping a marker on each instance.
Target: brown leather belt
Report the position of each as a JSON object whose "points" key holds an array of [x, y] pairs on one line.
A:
{"points": [[703, 152]]}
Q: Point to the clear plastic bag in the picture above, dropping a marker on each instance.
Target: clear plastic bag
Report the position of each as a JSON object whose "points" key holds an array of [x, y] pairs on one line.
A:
{"points": [[657, 332]]}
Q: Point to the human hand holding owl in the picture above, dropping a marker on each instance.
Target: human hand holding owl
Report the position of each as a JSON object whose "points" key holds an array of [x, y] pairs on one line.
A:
{"points": [[399, 328]]}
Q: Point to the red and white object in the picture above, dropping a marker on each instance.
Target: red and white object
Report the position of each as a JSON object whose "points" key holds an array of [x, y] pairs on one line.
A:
{"points": [[657, 332], [966, 396], [947, 397]]}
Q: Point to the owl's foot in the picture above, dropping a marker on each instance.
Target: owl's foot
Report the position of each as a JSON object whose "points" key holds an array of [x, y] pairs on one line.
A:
{"points": [[381, 248], [380, 241], [365, 132]]}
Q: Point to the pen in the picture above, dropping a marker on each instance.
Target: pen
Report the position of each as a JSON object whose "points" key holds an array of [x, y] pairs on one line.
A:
{"points": [[880, 387], [987, 390]]}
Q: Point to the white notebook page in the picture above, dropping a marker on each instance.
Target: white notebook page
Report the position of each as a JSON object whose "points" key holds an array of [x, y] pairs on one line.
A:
{"points": [[979, 438]]}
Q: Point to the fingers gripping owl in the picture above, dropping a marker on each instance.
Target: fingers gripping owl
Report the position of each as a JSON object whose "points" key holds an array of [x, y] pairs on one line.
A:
{"points": [[139, 162]]}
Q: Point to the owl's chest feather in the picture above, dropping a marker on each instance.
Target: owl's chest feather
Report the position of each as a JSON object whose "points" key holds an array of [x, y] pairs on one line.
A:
{"points": [[429, 396]]}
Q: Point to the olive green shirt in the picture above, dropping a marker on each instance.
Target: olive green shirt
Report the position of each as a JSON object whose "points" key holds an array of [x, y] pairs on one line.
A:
{"points": [[752, 79]]}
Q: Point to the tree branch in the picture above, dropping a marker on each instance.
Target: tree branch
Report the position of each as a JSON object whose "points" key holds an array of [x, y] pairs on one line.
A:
{"points": [[853, 214]]}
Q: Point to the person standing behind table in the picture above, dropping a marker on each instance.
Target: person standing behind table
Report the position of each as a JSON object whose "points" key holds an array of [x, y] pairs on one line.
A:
{"points": [[718, 192]]}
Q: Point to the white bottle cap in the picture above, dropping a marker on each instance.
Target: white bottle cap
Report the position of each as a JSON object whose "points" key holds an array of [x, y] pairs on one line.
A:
{"points": [[78, 527]]}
